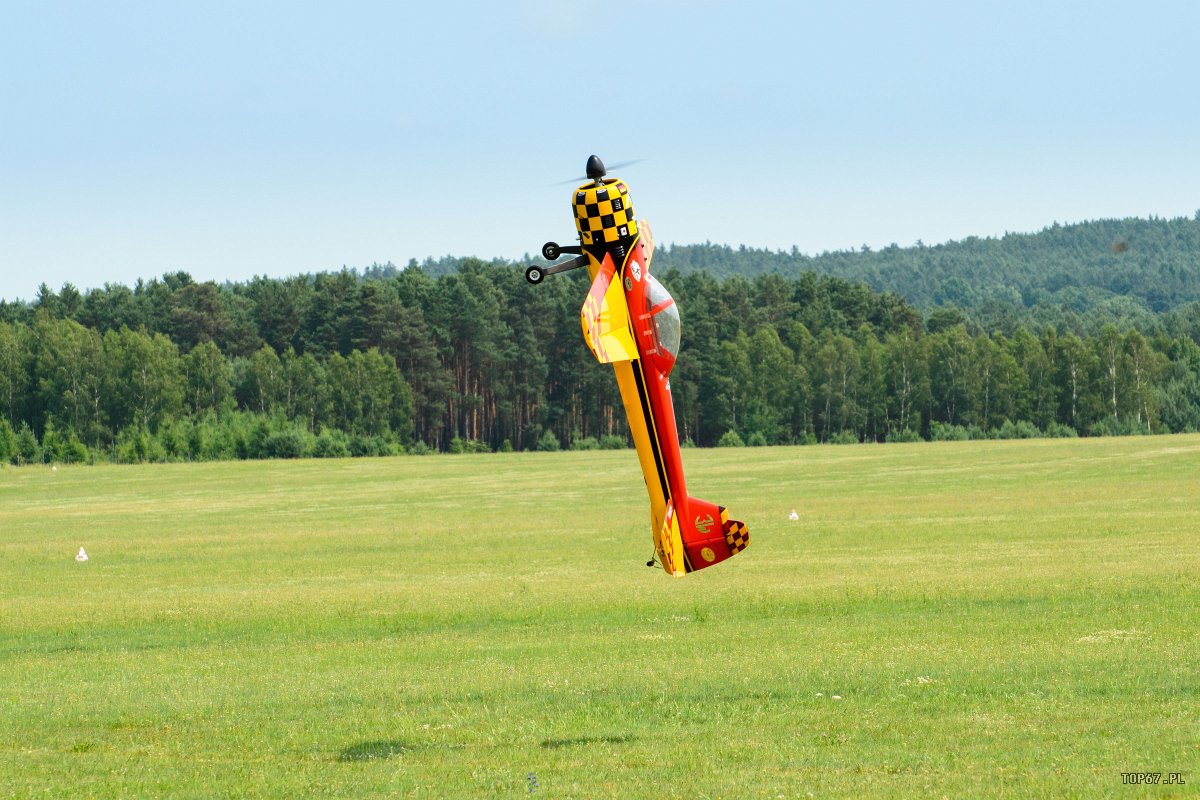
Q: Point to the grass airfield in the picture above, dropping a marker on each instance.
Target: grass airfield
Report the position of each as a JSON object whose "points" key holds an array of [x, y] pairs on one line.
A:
{"points": [[975, 619]]}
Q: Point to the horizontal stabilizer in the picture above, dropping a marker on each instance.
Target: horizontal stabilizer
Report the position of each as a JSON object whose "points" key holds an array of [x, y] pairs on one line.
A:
{"points": [[709, 535]]}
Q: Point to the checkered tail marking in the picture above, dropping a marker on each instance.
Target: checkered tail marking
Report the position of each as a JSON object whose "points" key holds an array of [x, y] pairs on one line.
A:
{"points": [[737, 535]]}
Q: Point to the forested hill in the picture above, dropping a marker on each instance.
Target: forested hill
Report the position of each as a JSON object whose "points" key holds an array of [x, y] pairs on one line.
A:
{"points": [[1077, 267], [1087, 329]]}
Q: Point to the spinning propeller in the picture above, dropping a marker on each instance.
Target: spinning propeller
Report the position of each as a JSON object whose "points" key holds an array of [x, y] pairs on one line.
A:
{"points": [[596, 170], [552, 250]]}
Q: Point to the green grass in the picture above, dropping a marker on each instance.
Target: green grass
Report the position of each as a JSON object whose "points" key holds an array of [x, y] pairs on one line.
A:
{"points": [[958, 619]]}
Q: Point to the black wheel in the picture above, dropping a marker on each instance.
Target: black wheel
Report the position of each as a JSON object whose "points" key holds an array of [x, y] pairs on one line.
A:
{"points": [[534, 274], [551, 251]]}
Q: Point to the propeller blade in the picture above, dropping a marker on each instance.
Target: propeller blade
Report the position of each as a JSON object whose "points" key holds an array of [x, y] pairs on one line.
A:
{"points": [[623, 164], [618, 165]]}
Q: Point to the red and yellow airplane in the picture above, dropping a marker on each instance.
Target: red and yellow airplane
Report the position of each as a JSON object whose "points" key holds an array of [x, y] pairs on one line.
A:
{"points": [[630, 321]]}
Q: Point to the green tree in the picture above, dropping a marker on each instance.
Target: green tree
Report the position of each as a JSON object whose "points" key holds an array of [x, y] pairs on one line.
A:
{"points": [[15, 361], [1030, 364], [146, 383], [26, 449], [470, 306], [307, 388], [732, 380], [1146, 368], [421, 350], [837, 371], [369, 396], [996, 383], [112, 308], [1040, 367], [331, 320], [772, 387], [1110, 357], [69, 368], [949, 371], [872, 397], [63, 446], [198, 314], [907, 380], [264, 388], [1178, 400], [1074, 365], [208, 378], [8, 441], [279, 308]]}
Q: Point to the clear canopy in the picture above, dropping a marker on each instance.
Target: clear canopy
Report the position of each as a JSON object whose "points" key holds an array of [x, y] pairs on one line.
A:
{"points": [[666, 319]]}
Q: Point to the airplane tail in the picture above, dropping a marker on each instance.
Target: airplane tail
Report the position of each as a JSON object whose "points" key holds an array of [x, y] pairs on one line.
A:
{"points": [[704, 532]]}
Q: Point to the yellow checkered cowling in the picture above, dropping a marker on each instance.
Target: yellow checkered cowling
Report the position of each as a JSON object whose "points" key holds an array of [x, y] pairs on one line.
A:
{"points": [[603, 214]]}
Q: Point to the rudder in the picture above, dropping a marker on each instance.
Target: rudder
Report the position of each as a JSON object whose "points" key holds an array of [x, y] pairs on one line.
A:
{"points": [[709, 535]]}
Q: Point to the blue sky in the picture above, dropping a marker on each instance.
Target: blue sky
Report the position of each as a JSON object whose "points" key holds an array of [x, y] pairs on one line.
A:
{"points": [[234, 139]]}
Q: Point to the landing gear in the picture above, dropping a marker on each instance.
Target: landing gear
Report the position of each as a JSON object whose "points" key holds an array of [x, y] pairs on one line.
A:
{"points": [[551, 251]]}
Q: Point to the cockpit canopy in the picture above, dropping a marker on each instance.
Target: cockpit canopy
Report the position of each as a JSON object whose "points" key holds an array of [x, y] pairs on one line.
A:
{"points": [[665, 315]]}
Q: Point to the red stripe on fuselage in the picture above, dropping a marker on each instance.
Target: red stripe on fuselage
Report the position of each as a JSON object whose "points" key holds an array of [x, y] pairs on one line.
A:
{"points": [[655, 383]]}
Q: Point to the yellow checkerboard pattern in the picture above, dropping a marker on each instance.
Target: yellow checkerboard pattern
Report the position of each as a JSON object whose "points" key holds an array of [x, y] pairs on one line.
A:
{"points": [[737, 536], [603, 214]]}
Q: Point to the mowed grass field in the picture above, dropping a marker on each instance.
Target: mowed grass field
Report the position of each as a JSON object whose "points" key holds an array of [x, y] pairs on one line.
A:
{"points": [[976, 619]]}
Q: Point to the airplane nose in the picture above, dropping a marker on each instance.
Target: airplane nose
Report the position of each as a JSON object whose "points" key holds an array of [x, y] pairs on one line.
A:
{"points": [[595, 168]]}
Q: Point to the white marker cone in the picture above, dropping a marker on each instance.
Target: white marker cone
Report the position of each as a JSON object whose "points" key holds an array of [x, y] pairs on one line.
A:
{"points": [[81, 555]]}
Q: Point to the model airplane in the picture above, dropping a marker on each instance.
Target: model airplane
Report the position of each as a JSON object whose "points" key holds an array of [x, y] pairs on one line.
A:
{"points": [[631, 321]]}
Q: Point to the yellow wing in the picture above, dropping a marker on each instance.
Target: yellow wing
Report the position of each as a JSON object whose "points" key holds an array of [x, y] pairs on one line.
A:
{"points": [[605, 318]]}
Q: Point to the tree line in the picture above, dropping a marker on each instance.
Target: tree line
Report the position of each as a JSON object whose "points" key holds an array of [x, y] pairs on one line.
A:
{"points": [[1129, 267], [393, 361]]}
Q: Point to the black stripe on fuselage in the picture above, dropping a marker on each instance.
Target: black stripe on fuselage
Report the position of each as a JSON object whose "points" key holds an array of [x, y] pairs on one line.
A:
{"points": [[621, 255], [639, 378]]}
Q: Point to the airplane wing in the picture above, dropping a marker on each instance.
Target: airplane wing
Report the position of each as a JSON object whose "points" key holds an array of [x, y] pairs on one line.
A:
{"points": [[605, 318]]}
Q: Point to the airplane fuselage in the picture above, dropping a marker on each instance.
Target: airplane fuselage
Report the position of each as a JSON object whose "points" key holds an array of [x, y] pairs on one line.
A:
{"points": [[631, 321]]}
